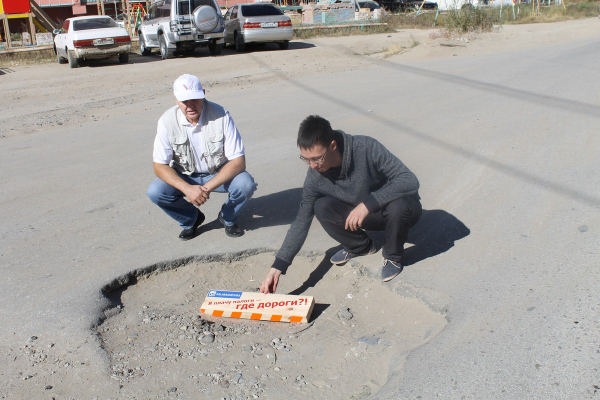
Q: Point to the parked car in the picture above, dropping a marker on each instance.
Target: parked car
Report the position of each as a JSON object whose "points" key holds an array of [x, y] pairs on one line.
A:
{"points": [[405, 5], [181, 26], [92, 37], [371, 5], [257, 23], [120, 20]]}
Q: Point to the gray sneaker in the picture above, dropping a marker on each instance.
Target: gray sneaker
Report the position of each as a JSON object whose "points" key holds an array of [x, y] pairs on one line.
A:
{"points": [[343, 256], [390, 269]]}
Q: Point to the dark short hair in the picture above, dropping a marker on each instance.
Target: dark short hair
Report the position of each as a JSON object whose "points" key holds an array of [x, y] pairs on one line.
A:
{"points": [[314, 130]]}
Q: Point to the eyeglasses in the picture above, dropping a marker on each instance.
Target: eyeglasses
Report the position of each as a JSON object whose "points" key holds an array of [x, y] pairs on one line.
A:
{"points": [[316, 160]]}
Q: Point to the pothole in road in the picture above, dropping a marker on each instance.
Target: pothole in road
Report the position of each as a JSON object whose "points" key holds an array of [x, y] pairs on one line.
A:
{"points": [[160, 347]]}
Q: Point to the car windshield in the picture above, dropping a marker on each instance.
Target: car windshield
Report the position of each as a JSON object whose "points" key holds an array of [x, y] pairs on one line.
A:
{"points": [[94, 23], [368, 4], [185, 6], [259, 10]]}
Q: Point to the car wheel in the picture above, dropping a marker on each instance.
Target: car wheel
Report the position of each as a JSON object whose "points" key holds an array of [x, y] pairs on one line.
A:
{"points": [[73, 61], [214, 48], [143, 49], [284, 45], [240, 45], [164, 49], [61, 60], [124, 58]]}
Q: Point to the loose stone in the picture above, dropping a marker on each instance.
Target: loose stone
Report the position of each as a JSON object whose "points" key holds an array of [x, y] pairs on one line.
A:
{"points": [[207, 339], [370, 340], [345, 315]]}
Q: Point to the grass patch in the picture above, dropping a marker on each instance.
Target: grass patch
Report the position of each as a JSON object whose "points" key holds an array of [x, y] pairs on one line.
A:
{"points": [[394, 22], [340, 31], [528, 13], [27, 58], [396, 48], [42, 56], [482, 19]]}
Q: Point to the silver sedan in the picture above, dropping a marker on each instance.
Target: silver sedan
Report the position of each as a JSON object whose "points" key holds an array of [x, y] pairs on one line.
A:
{"points": [[257, 23]]}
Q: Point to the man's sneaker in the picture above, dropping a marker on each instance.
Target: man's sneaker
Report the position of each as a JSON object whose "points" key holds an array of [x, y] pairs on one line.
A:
{"points": [[343, 256], [230, 230], [189, 233], [390, 269]]}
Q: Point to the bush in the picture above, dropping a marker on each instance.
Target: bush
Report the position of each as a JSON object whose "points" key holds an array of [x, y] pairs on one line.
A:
{"points": [[469, 19]]}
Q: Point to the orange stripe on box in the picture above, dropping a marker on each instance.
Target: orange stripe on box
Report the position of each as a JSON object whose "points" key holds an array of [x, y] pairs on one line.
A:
{"points": [[295, 319], [236, 314], [202, 310], [255, 316], [276, 317], [217, 313]]}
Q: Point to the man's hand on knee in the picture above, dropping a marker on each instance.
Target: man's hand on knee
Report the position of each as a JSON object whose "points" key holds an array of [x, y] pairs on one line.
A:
{"points": [[356, 217]]}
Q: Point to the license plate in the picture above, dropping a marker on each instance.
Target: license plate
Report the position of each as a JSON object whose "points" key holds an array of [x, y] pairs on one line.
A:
{"points": [[269, 25], [100, 42]]}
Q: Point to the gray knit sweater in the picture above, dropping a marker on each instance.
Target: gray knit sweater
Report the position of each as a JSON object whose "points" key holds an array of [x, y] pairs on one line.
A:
{"points": [[369, 174]]}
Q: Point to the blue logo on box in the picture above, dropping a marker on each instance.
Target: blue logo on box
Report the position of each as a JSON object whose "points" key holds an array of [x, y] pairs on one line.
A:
{"points": [[225, 294]]}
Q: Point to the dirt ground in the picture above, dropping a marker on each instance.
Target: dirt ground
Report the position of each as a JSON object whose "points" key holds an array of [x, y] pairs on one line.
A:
{"points": [[344, 352], [158, 345], [64, 97]]}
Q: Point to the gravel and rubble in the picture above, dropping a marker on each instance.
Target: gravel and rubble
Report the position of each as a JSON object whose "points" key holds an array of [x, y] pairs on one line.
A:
{"points": [[158, 341]]}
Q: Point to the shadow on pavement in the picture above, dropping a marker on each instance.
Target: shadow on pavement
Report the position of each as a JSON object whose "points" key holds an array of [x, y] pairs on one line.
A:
{"points": [[435, 233], [271, 210], [136, 58], [251, 47], [315, 276]]}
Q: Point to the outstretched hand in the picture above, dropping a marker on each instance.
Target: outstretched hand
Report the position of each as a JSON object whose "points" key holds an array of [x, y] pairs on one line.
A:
{"points": [[270, 282], [356, 217]]}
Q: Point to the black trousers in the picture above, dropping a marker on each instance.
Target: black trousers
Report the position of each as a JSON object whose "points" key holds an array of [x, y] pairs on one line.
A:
{"points": [[395, 219]]}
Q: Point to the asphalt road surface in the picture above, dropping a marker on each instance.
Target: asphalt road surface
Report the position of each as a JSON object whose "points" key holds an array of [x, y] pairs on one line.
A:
{"points": [[506, 149]]}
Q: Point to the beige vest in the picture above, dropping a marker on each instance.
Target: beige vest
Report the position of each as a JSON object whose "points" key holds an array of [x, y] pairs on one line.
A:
{"points": [[213, 128]]}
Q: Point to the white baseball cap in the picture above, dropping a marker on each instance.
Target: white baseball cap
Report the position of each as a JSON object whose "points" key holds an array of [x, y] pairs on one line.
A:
{"points": [[188, 87]]}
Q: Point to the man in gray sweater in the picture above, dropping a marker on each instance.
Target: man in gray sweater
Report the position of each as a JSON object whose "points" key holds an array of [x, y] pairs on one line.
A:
{"points": [[353, 184]]}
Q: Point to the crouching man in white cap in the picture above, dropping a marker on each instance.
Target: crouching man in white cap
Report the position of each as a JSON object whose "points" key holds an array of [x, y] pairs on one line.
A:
{"points": [[198, 150]]}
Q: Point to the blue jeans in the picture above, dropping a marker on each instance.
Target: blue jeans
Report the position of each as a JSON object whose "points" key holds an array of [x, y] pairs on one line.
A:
{"points": [[170, 200]]}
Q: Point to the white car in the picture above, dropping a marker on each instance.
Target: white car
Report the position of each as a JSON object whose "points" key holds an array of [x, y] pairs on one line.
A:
{"points": [[92, 37], [257, 23]]}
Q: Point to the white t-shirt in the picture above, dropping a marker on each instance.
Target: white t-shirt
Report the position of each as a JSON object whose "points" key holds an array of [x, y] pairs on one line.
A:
{"points": [[232, 146]]}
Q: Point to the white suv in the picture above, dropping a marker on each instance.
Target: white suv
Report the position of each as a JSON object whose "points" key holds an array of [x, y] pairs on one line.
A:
{"points": [[180, 26]]}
